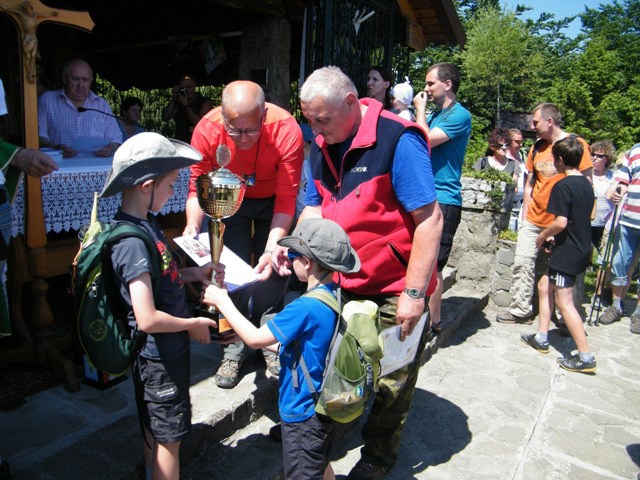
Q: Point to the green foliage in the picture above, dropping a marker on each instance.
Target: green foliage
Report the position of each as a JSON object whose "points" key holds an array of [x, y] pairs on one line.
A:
{"points": [[153, 102], [498, 61], [508, 235], [511, 64]]}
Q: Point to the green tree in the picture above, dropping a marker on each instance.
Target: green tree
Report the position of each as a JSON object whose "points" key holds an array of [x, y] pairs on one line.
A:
{"points": [[500, 61], [595, 86]]}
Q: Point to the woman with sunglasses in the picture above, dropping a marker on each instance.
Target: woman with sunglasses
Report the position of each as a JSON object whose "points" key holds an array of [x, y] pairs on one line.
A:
{"points": [[496, 155], [603, 153]]}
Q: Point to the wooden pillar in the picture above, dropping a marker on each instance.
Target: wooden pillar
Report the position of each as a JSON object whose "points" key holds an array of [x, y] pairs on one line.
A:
{"points": [[28, 16]]}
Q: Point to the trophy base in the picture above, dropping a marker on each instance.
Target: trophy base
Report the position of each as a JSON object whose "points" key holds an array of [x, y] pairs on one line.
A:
{"points": [[224, 329]]}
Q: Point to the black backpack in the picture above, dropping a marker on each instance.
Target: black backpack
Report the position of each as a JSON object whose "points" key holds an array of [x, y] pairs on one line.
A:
{"points": [[104, 333]]}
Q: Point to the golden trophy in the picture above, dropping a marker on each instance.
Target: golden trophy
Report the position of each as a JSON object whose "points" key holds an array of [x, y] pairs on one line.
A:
{"points": [[220, 194]]}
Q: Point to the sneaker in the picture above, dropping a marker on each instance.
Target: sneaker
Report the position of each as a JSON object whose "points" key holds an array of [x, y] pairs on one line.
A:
{"points": [[366, 471], [574, 364], [610, 315], [635, 324], [273, 365], [506, 317], [531, 341], [227, 376]]}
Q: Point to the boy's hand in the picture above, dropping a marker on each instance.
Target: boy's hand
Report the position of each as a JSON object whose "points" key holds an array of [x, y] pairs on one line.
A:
{"points": [[205, 272], [213, 295], [200, 331]]}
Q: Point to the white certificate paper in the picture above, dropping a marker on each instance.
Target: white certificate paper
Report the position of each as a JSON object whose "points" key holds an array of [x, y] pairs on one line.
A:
{"points": [[237, 274], [397, 354], [89, 144]]}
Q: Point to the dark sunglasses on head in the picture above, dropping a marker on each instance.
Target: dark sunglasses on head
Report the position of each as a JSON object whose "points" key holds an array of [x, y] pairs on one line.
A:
{"points": [[292, 255]]}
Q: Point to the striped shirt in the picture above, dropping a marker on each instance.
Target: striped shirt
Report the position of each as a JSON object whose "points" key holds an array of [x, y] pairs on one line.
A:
{"points": [[60, 122], [629, 174]]}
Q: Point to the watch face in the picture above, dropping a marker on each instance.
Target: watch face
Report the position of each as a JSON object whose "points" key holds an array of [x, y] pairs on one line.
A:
{"points": [[412, 292]]}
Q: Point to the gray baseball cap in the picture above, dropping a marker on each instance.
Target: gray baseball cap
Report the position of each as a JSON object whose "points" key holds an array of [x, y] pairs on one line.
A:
{"points": [[145, 156], [324, 242]]}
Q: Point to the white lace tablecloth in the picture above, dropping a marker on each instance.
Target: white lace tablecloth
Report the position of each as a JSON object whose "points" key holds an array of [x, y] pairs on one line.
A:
{"points": [[67, 196]]}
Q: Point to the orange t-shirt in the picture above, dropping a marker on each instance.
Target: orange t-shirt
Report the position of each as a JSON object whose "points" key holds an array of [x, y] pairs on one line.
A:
{"points": [[546, 177]]}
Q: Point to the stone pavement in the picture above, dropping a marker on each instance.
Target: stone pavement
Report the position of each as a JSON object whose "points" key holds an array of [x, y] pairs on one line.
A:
{"points": [[486, 406]]}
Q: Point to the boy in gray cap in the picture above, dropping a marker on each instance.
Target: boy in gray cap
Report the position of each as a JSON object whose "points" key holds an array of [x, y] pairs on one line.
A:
{"points": [[317, 248], [145, 169]]}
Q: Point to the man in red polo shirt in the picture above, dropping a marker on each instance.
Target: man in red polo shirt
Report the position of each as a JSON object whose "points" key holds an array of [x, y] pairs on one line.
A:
{"points": [[267, 150]]}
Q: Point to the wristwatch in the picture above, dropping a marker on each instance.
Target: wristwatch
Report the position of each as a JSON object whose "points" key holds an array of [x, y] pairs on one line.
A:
{"points": [[414, 293]]}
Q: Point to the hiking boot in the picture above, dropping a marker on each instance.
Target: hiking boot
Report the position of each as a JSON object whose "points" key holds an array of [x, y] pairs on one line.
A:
{"points": [[507, 317], [635, 324], [227, 376], [610, 315], [273, 365], [366, 471], [574, 364], [531, 341]]}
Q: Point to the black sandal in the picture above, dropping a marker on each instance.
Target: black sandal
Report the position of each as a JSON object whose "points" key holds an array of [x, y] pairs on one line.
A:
{"points": [[436, 328]]}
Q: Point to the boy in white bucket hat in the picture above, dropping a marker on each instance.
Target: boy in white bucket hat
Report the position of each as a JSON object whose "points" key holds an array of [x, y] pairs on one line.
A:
{"points": [[145, 169]]}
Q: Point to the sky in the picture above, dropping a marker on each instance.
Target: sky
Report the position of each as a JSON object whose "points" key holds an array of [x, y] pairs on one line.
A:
{"points": [[560, 8]]}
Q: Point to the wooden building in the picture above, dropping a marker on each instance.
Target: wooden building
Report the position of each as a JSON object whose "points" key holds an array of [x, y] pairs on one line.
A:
{"points": [[146, 44]]}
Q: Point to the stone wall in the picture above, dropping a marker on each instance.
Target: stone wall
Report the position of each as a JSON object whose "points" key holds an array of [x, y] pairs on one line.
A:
{"points": [[475, 247], [503, 273]]}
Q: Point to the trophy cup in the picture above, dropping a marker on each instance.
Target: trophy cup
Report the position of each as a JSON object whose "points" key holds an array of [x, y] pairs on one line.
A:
{"points": [[220, 195]]}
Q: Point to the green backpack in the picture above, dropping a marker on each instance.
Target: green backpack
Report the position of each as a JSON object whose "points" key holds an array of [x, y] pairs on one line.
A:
{"points": [[352, 365], [103, 331]]}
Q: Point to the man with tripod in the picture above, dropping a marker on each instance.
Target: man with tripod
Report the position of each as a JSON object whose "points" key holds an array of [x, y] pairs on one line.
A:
{"points": [[627, 180]]}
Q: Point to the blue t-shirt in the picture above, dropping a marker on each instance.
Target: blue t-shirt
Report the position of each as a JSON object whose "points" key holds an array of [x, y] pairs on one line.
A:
{"points": [[311, 323], [448, 157], [412, 180]]}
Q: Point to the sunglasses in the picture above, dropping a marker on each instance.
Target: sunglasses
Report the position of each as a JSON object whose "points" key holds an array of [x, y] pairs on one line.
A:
{"points": [[293, 255]]}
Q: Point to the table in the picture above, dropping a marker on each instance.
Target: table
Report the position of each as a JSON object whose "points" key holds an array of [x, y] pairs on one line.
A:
{"points": [[67, 195]]}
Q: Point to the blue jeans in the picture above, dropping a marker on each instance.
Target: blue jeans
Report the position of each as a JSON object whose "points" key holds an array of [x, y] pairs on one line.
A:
{"points": [[624, 249]]}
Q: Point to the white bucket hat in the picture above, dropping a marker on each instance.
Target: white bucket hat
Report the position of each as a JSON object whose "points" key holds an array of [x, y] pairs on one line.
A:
{"points": [[145, 156]]}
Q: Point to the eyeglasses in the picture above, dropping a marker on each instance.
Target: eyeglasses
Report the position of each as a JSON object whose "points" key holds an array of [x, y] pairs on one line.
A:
{"points": [[598, 155], [503, 146], [293, 255], [238, 132], [519, 142]]}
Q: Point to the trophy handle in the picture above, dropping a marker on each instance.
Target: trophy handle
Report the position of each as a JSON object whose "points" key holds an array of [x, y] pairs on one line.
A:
{"points": [[216, 233]]}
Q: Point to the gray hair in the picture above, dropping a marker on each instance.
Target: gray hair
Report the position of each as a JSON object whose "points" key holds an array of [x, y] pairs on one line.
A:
{"points": [[330, 84]]}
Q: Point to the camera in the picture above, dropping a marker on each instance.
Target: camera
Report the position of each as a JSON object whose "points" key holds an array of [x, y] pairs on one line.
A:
{"points": [[182, 91], [549, 245]]}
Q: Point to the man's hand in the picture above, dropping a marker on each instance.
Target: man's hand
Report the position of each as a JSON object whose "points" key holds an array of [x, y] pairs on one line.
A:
{"points": [[264, 265], [33, 162], [408, 313], [108, 150], [280, 261]]}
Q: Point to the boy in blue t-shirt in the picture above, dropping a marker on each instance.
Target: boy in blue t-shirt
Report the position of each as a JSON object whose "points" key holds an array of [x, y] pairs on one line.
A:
{"points": [[145, 169], [569, 240], [317, 248]]}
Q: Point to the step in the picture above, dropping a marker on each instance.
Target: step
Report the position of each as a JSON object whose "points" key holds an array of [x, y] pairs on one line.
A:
{"points": [[95, 434]]}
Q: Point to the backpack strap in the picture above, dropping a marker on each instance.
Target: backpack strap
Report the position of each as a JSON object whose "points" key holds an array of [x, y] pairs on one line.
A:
{"points": [[335, 303], [120, 231]]}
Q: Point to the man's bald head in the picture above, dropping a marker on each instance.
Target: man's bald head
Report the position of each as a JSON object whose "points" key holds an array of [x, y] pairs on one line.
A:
{"points": [[242, 97]]}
